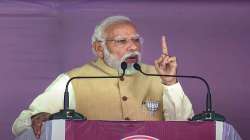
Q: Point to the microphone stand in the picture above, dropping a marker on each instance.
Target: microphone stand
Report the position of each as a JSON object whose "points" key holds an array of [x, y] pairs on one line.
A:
{"points": [[71, 114], [208, 114]]}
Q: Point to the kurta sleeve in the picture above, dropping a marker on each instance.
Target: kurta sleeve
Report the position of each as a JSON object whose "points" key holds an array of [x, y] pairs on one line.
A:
{"points": [[50, 101], [176, 105]]}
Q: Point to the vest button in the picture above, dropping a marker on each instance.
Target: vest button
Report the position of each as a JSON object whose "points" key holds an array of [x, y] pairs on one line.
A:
{"points": [[124, 98], [122, 79], [127, 118]]}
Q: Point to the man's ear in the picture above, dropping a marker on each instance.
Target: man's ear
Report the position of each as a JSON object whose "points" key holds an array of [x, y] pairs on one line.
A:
{"points": [[98, 49]]}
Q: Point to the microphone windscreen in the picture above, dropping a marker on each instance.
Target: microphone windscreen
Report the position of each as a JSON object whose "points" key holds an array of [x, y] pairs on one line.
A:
{"points": [[124, 65], [137, 66]]}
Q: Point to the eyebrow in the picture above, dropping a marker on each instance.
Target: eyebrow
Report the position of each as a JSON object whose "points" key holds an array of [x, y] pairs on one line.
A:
{"points": [[122, 37]]}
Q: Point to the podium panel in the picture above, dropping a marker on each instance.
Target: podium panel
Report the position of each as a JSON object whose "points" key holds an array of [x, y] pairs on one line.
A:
{"points": [[133, 130]]}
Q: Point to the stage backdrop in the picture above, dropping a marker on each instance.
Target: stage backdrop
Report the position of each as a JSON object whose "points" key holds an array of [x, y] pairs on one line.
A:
{"points": [[41, 39]]}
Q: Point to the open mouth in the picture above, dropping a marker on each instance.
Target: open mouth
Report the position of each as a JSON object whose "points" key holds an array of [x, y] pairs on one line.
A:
{"points": [[131, 59]]}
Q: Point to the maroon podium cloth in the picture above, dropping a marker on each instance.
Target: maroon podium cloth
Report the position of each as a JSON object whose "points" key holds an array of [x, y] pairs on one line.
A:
{"points": [[133, 130], [116, 130]]}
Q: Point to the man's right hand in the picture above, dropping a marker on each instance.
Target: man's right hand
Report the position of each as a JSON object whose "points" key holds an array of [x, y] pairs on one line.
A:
{"points": [[37, 122]]}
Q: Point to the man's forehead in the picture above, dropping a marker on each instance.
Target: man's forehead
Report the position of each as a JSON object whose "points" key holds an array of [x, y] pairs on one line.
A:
{"points": [[125, 29]]}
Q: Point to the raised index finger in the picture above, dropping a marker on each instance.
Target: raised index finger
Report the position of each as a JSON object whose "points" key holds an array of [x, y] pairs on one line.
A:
{"points": [[164, 45]]}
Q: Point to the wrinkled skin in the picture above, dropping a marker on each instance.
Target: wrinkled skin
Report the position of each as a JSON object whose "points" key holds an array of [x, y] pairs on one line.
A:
{"points": [[37, 123]]}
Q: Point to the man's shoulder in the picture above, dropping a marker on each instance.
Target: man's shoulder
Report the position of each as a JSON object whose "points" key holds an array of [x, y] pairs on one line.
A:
{"points": [[81, 70]]}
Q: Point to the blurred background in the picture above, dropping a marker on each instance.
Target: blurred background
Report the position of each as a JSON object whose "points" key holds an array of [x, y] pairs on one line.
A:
{"points": [[39, 39]]}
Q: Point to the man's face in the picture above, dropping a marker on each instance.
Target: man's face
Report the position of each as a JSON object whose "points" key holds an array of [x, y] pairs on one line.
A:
{"points": [[121, 39]]}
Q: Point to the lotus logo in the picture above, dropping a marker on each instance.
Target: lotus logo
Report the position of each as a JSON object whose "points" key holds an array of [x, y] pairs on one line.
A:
{"points": [[139, 137]]}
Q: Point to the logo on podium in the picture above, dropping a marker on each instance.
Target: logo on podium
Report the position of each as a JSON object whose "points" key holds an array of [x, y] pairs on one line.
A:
{"points": [[139, 137]]}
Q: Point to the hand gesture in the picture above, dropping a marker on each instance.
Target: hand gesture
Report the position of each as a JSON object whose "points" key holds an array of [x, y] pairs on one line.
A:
{"points": [[166, 64]]}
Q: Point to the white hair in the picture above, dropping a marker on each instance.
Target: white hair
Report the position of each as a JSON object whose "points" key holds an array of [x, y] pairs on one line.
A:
{"points": [[115, 63], [99, 35]]}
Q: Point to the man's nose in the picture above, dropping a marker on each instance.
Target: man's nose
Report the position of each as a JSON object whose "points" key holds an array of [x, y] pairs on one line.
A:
{"points": [[132, 46]]}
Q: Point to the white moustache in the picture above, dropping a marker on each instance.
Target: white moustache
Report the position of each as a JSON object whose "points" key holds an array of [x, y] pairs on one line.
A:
{"points": [[130, 54]]}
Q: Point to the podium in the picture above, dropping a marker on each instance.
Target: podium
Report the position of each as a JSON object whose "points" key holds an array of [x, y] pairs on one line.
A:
{"points": [[133, 130]]}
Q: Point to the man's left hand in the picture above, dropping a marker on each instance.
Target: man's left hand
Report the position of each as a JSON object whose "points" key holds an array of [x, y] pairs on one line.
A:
{"points": [[166, 65]]}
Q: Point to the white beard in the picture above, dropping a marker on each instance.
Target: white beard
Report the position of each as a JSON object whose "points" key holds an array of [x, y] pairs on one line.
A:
{"points": [[115, 63]]}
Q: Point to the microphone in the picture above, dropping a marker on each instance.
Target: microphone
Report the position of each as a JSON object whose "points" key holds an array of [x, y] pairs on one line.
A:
{"points": [[71, 114], [208, 114]]}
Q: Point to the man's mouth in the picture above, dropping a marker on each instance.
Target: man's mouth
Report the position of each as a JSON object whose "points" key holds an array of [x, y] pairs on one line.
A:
{"points": [[131, 59]]}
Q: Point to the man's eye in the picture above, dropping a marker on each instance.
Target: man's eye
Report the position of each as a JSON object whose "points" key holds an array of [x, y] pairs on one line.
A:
{"points": [[121, 41], [136, 40]]}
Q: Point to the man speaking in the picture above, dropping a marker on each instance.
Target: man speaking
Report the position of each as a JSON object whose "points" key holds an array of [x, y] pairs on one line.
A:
{"points": [[135, 97]]}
